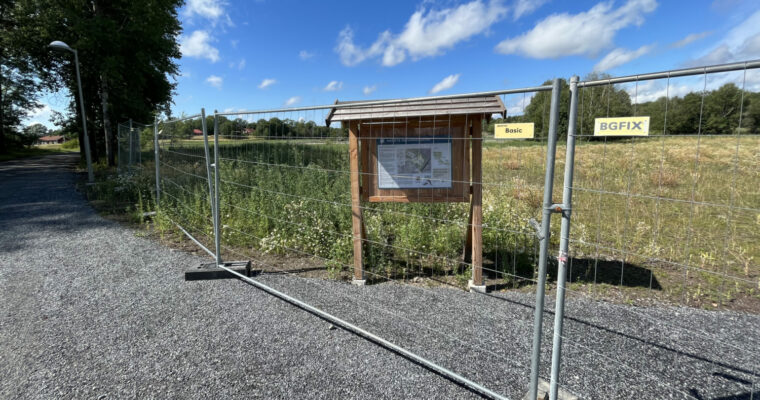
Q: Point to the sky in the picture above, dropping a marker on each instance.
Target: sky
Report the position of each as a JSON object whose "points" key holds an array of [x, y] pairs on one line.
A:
{"points": [[260, 54]]}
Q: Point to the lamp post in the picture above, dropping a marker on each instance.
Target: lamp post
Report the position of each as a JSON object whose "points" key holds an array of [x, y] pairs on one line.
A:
{"points": [[58, 45]]}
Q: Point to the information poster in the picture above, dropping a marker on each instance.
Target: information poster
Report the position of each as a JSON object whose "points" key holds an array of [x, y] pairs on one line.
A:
{"points": [[410, 163]]}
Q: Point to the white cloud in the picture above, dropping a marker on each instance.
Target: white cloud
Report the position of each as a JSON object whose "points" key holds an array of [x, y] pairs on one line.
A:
{"points": [[368, 90], [516, 104], [691, 38], [333, 86], [40, 115], [428, 33], [212, 10], [198, 45], [740, 43], [305, 55], [525, 7], [350, 54], [267, 83], [215, 81], [620, 56], [653, 90], [293, 101], [586, 33], [447, 83]]}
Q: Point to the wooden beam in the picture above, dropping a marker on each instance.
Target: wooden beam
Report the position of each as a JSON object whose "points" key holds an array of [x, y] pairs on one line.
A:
{"points": [[467, 256], [356, 211], [477, 202]]}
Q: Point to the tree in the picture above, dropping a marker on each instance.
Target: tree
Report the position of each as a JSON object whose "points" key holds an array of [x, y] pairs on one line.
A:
{"points": [[36, 130], [537, 111], [751, 117], [601, 102], [18, 89], [127, 50], [721, 110]]}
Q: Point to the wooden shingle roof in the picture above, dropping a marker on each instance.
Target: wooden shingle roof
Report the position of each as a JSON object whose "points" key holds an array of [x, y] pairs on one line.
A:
{"points": [[418, 108]]}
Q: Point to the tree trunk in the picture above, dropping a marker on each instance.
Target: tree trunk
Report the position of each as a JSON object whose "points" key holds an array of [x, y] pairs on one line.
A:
{"points": [[110, 142], [2, 115], [2, 109], [107, 132]]}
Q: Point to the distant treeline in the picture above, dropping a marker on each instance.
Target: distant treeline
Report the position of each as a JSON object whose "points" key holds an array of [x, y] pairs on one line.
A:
{"points": [[272, 128], [717, 112]]}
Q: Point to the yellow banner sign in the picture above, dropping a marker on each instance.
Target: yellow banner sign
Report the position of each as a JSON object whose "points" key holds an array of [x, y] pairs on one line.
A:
{"points": [[513, 131], [621, 126]]}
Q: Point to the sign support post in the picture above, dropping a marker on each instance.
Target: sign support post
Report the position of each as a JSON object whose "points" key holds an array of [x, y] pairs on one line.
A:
{"points": [[476, 283], [356, 210]]}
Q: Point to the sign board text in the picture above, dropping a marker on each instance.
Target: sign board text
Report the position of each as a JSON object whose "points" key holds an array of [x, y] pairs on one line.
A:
{"points": [[514, 131], [621, 126]]}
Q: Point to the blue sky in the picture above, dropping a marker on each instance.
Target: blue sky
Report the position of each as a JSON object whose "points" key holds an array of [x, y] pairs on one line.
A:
{"points": [[242, 54]]}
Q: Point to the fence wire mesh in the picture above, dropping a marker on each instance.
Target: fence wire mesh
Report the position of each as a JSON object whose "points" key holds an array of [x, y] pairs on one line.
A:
{"points": [[668, 220], [662, 227], [286, 204], [185, 181], [134, 140]]}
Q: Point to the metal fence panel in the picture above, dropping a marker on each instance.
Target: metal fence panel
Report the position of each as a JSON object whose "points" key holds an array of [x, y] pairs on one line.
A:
{"points": [[669, 220]]}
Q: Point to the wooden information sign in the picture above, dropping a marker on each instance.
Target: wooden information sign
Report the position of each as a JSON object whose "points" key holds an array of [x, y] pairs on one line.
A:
{"points": [[418, 151]]}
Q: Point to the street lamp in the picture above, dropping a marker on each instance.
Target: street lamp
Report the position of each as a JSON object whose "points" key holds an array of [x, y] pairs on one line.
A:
{"points": [[58, 45]]}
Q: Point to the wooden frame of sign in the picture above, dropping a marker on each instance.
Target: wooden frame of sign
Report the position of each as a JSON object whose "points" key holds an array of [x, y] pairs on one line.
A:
{"points": [[463, 127], [459, 182]]}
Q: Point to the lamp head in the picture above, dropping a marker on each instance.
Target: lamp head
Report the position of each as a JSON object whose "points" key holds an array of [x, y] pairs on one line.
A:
{"points": [[59, 45]]}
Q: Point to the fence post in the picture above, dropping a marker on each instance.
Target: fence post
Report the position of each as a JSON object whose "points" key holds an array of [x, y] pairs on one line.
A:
{"points": [[564, 239], [217, 218], [544, 239], [477, 283], [208, 170], [157, 160]]}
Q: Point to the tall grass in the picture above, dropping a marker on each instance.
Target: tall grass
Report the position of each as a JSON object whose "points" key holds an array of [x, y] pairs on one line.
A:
{"points": [[673, 213]]}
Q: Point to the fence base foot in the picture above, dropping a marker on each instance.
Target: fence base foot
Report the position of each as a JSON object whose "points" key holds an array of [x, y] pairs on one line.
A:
{"points": [[476, 288], [359, 282], [208, 271], [543, 392]]}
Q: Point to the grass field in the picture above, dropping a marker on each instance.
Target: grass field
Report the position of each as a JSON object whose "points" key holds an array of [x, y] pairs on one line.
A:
{"points": [[673, 219]]}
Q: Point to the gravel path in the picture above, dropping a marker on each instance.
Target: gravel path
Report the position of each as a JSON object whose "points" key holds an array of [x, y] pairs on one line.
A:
{"points": [[92, 310]]}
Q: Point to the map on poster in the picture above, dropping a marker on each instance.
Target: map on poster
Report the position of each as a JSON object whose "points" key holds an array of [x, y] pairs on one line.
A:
{"points": [[414, 163]]}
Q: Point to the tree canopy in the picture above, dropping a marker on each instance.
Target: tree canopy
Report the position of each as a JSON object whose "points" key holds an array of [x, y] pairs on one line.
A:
{"points": [[127, 52]]}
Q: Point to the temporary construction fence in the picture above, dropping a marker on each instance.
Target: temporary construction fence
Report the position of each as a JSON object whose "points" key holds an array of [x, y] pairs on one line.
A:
{"points": [[287, 194], [133, 139]]}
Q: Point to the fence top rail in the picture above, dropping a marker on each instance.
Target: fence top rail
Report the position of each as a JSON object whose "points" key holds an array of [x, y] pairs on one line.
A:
{"points": [[738, 66], [169, 121], [392, 101], [126, 124]]}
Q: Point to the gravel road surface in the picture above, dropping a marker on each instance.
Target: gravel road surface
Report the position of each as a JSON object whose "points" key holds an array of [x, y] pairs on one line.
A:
{"points": [[92, 310]]}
